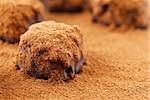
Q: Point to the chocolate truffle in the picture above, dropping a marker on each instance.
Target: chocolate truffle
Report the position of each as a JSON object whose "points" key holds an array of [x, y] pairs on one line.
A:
{"points": [[16, 17], [50, 50], [120, 13], [130, 13]]}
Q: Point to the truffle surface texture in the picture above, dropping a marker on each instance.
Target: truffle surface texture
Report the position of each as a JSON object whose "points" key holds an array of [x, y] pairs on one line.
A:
{"points": [[50, 50]]}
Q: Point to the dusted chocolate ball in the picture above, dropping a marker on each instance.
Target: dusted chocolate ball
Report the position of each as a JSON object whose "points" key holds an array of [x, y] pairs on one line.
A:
{"points": [[51, 50], [120, 13], [16, 17]]}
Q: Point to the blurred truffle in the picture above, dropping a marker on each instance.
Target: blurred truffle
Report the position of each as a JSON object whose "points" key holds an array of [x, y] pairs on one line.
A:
{"points": [[120, 13], [16, 16]]}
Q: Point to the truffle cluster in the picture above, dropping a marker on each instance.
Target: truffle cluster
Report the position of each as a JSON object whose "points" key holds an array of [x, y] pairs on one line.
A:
{"points": [[16, 17], [121, 13], [51, 50]]}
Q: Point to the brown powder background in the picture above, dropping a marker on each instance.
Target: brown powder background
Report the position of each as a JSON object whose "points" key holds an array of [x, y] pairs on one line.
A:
{"points": [[117, 67]]}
